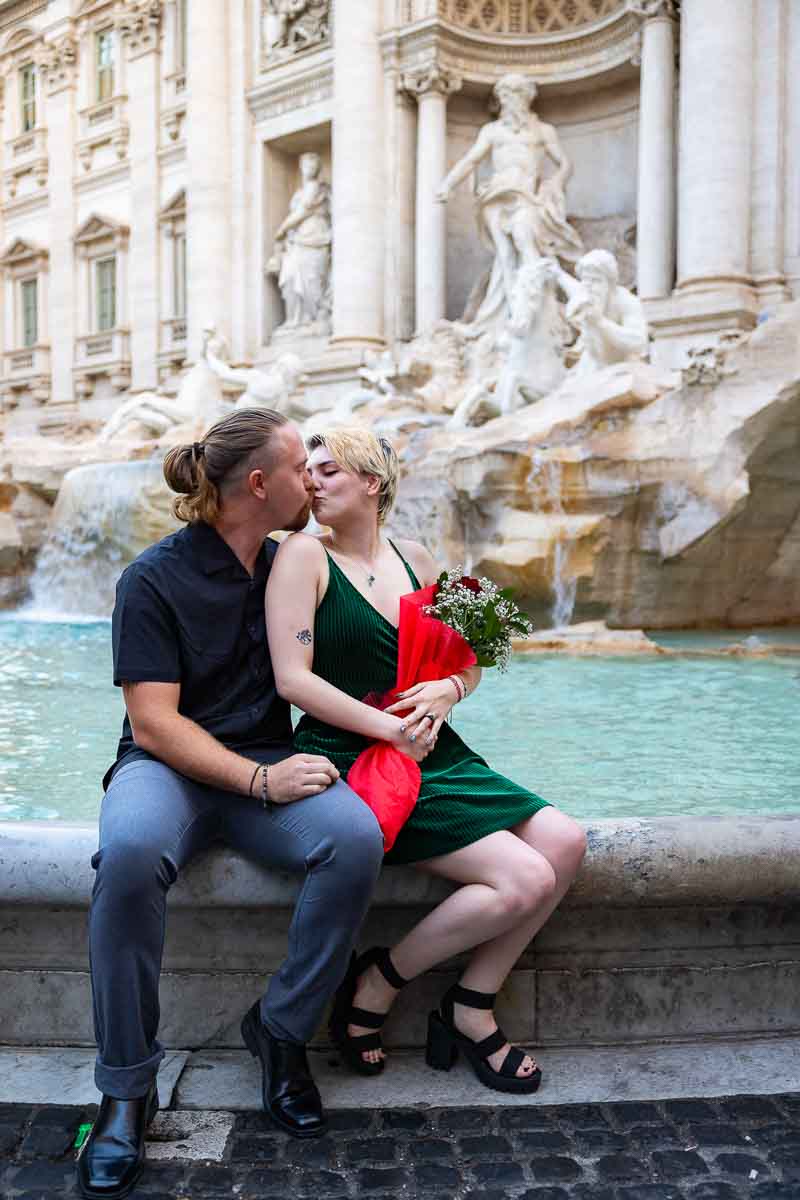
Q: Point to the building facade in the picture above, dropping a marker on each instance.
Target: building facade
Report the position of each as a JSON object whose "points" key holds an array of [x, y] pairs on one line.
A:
{"points": [[151, 150]]}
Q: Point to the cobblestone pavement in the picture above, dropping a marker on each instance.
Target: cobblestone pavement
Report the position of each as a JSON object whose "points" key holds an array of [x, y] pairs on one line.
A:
{"points": [[722, 1149]]}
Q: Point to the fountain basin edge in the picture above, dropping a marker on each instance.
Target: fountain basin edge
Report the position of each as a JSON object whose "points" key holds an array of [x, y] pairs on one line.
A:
{"points": [[676, 928]]}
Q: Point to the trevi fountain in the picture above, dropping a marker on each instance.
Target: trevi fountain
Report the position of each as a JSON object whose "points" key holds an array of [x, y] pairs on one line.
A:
{"points": [[550, 248]]}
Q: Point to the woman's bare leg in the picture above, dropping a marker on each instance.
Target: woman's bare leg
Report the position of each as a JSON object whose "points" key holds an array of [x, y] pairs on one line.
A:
{"points": [[505, 883]]}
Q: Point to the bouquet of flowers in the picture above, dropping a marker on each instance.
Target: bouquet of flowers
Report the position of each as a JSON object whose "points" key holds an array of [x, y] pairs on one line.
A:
{"points": [[456, 623]]}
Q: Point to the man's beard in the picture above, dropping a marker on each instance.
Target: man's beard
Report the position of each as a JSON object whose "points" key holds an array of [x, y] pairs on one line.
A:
{"points": [[301, 520]]}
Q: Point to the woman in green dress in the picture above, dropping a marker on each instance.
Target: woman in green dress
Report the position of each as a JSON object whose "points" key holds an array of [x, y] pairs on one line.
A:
{"points": [[332, 616]]}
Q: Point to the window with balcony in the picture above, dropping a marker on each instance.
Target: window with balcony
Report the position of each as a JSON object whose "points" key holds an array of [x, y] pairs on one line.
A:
{"points": [[104, 64], [27, 97], [29, 298], [105, 281]]}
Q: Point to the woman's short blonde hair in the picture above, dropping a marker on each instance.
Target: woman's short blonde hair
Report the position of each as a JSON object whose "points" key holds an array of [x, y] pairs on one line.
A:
{"points": [[362, 453]]}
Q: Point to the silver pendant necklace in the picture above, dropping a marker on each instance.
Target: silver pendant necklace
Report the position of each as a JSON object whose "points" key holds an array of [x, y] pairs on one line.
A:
{"points": [[369, 575]]}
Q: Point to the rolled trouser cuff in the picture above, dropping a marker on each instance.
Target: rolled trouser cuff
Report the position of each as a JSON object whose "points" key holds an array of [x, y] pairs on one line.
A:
{"points": [[128, 1083]]}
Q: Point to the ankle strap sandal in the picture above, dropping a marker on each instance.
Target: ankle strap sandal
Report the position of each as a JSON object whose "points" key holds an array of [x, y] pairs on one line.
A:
{"points": [[445, 1041], [346, 1013]]}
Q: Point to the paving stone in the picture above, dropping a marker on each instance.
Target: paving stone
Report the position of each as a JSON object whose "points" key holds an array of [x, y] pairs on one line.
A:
{"points": [[775, 1135], [488, 1146], [714, 1134], [714, 1189], [788, 1160], [601, 1141], [464, 1120], [409, 1120], [635, 1113], [58, 1115], [311, 1152], [264, 1181], [545, 1193], [211, 1181], [580, 1116], [255, 1149], [679, 1164], [492, 1194], [503, 1174], [46, 1141], [44, 1176], [529, 1117], [258, 1124], [690, 1110], [163, 1177], [431, 1149], [620, 1167], [775, 1191], [555, 1169], [372, 1150], [590, 1191], [543, 1141], [740, 1164], [347, 1120], [650, 1191], [430, 1176], [388, 1179], [318, 1184], [654, 1137], [750, 1108], [10, 1137]]}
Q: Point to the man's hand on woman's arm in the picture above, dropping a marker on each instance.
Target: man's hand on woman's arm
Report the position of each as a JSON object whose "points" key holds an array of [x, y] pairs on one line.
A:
{"points": [[182, 744]]}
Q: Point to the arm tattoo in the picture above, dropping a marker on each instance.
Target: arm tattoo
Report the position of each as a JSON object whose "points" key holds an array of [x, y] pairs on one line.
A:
{"points": [[304, 636]]}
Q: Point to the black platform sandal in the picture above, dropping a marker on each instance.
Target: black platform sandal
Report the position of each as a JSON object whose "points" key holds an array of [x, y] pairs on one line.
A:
{"points": [[344, 1013], [445, 1041]]}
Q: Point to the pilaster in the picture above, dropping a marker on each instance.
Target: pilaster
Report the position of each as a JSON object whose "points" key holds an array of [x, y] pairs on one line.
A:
{"points": [[139, 29]]}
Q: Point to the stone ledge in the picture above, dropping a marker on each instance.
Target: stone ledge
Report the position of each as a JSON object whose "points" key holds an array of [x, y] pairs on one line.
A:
{"points": [[676, 861]]}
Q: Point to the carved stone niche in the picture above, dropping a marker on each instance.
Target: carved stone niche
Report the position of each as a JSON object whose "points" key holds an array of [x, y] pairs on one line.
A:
{"points": [[532, 18], [290, 26]]}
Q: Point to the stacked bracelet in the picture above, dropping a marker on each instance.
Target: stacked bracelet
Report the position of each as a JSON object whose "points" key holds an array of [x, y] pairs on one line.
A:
{"points": [[265, 800], [459, 685]]}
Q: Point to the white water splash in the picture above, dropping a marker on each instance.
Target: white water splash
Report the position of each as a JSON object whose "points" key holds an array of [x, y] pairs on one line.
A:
{"points": [[105, 515]]}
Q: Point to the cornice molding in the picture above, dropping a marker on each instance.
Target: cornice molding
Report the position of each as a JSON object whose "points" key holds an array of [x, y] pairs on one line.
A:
{"points": [[293, 87], [581, 53]]}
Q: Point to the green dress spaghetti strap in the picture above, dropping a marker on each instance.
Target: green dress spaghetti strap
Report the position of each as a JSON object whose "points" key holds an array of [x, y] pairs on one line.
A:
{"points": [[461, 798]]}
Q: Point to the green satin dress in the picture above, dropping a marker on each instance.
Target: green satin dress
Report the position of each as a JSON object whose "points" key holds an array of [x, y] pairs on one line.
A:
{"points": [[461, 798]]}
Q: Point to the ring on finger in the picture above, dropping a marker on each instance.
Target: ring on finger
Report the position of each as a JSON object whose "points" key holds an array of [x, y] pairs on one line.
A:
{"points": [[429, 717]]}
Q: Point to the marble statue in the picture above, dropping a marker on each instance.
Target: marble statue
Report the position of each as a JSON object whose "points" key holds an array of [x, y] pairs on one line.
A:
{"points": [[610, 320], [291, 25], [531, 350], [268, 389], [521, 213], [302, 258], [151, 414]]}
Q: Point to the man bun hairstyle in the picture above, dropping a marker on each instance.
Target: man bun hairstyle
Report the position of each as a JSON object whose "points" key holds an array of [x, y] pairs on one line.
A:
{"points": [[203, 472], [361, 452]]}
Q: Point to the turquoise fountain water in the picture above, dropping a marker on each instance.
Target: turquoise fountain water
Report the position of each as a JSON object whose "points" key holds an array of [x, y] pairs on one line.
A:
{"points": [[599, 737]]}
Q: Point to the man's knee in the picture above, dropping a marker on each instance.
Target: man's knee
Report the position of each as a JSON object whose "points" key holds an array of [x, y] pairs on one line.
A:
{"points": [[131, 870], [355, 838]]}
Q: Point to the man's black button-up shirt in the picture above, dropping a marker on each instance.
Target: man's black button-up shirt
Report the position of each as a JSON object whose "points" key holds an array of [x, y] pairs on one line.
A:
{"points": [[187, 612]]}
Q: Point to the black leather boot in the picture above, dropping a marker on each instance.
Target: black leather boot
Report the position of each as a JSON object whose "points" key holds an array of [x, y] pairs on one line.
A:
{"points": [[113, 1156], [289, 1093]]}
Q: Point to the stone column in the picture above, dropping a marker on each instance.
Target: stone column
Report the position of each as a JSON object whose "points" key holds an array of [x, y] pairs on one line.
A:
{"points": [[716, 124], [58, 67], [655, 242], [431, 86], [359, 174], [139, 31], [208, 169]]}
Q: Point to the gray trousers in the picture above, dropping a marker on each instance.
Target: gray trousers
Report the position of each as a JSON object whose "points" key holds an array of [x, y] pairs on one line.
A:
{"points": [[152, 822]]}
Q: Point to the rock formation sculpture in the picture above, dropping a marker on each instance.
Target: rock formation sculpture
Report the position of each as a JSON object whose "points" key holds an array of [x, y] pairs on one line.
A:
{"points": [[302, 257]]}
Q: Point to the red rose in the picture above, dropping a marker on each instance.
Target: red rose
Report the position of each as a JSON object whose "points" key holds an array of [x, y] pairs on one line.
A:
{"points": [[468, 582]]}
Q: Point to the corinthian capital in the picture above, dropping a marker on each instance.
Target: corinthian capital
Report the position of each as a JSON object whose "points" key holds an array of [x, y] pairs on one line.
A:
{"points": [[432, 79], [648, 9], [139, 25]]}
